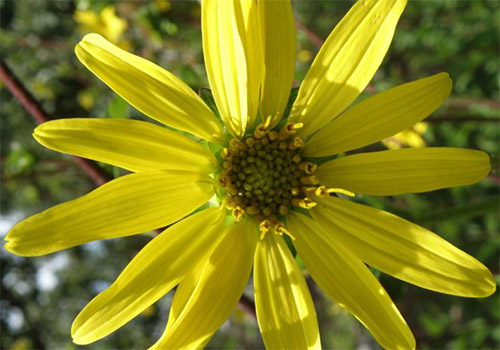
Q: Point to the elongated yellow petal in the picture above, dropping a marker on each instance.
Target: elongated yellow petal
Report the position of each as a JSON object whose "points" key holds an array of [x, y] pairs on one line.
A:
{"points": [[130, 144], [204, 301], [380, 116], [277, 27], [152, 90], [350, 283], [346, 63], [128, 205], [158, 267], [402, 249], [285, 311], [233, 59], [409, 170]]}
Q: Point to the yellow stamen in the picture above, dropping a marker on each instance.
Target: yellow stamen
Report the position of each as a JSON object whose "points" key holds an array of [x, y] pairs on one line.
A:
{"points": [[264, 226], [262, 129], [297, 142], [293, 127], [289, 129], [281, 229], [308, 167], [342, 191], [308, 191], [305, 203], [226, 153], [238, 213], [309, 180]]}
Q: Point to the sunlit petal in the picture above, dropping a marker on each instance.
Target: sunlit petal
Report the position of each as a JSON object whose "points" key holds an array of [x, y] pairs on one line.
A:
{"points": [[346, 63], [128, 205], [233, 59], [130, 144], [350, 283], [152, 90], [279, 44], [156, 269], [380, 116], [410, 170], [206, 298], [285, 310], [402, 249]]}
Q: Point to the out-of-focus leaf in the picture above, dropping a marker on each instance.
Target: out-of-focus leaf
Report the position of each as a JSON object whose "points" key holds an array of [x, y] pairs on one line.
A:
{"points": [[118, 108]]}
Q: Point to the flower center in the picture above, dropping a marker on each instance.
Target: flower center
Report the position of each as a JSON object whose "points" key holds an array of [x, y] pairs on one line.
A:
{"points": [[264, 176]]}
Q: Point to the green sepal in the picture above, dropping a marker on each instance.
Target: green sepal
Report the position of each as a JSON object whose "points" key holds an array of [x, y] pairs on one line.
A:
{"points": [[291, 100], [207, 97]]}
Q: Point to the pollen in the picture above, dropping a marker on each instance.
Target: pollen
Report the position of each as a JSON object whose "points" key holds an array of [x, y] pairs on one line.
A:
{"points": [[263, 176]]}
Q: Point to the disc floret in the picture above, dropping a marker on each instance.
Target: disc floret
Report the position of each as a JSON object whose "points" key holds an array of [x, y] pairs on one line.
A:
{"points": [[263, 175]]}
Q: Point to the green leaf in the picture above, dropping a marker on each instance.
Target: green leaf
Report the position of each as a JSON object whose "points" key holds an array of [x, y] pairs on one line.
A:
{"points": [[290, 245], [118, 108], [20, 160], [286, 113]]}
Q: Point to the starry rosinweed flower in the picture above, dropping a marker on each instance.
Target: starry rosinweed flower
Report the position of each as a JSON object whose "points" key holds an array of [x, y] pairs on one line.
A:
{"points": [[267, 177]]}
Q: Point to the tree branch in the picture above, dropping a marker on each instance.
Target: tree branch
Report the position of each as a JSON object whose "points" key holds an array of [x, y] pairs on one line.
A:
{"points": [[453, 119], [97, 174], [313, 38]]}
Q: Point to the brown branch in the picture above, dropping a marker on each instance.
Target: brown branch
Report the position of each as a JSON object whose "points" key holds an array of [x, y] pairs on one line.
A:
{"points": [[494, 178], [464, 102], [247, 306], [444, 119], [313, 38], [97, 174]]}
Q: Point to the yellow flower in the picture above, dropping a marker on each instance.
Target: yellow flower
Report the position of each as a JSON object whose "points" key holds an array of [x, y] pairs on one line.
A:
{"points": [[107, 23], [305, 55], [410, 137], [262, 182]]}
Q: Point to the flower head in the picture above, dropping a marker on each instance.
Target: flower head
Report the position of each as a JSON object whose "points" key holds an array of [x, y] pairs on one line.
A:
{"points": [[106, 23], [270, 177]]}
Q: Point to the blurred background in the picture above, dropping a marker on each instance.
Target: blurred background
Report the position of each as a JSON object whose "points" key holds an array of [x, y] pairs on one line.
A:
{"points": [[41, 296]]}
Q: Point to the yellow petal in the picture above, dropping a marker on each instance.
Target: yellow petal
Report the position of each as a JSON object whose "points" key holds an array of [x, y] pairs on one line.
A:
{"points": [[128, 205], [152, 90], [158, 267], [350, 283], [410, 170], [285, 311], [206, 298], [346, 63], [402, 249], [130, 144], [277, 27], [233, 59], [380, 116]]}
